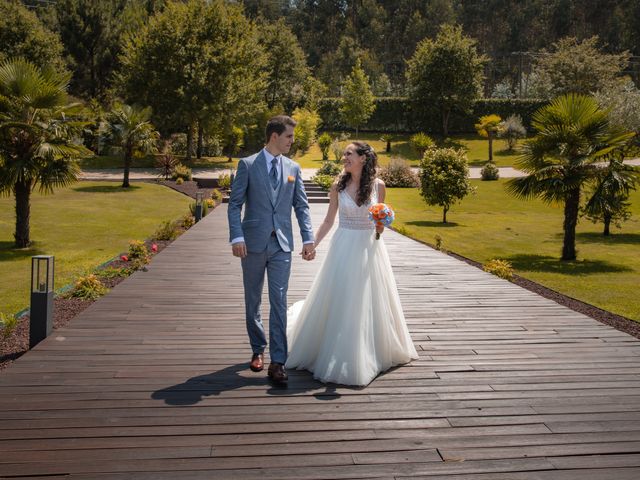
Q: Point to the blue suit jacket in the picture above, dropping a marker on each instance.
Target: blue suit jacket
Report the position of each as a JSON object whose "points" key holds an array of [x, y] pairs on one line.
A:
{"points": [[251, 188]]}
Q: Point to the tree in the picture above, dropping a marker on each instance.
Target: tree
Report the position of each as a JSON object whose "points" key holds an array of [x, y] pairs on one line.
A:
{"points": [[572, 134], [622, 101], [444, 177], [358, 103], [306, 129], [127, 130], [511, 130], [608, 201], [23, 35], [286, 65], [37, 136], [488, 127], [196, 62], [446, 73], [91, 33], [577, 67]]}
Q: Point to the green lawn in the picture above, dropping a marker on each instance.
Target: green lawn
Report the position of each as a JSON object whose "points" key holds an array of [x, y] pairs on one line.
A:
{"points": [[83, 226], [478, 152], [493, 224], [113, 161]]}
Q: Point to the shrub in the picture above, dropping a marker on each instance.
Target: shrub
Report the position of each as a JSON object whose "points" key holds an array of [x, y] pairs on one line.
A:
{"points": [[183, 172], [138, 250], [337, 150], [398, 174], [490, 172], [205, 209], [8, 325], [224, 181], [511, 130], [421, 142], [306, 129], [166, 231], [211, 203], [187, 221], [324, 142], [329, 168], [233, 142], [325, 181], [438, 244], [500, 268], [216, 195], [166, 163], [179, 181], [444, 178], [88, 288]]}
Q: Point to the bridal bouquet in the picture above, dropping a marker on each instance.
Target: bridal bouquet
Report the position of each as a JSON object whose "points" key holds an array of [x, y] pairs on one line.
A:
{"points": [[381, 214]]}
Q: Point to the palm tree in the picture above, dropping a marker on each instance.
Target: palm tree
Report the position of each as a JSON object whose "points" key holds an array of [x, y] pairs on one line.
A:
{"points": [[610, 195], [127, 129], [37, 135], [572, 134]]}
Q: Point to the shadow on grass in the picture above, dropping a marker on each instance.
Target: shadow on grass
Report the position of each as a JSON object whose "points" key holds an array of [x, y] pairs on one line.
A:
{"points": [[106, 189], [427, 223], [613, 239], [9, 252], [545, 263]]}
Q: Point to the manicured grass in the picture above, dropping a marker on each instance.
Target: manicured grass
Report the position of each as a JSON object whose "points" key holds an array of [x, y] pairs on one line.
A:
{"points": [[478, 152], [83, 226], [493, 224], [113, 161]]}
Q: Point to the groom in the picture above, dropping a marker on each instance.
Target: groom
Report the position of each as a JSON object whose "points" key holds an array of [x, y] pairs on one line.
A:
{"points": [[269, 185]]}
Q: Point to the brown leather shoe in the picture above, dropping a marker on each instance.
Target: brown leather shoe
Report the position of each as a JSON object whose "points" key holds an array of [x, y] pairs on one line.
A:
{"points": [[257, 362], [277, 373]]}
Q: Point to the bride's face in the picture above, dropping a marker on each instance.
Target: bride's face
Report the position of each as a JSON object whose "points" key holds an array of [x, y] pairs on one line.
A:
{"points": [[352, 161]]}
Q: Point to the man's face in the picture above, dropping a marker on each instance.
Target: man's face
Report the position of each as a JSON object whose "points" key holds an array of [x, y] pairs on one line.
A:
{"points": [[283, 142]]}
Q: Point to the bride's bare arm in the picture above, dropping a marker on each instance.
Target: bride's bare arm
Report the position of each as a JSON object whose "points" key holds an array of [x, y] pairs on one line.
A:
{"points": [[331, 215]]}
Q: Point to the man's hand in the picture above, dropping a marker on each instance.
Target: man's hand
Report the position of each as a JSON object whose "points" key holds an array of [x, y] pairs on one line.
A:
{"points": [[239, 249], [308, 251]]}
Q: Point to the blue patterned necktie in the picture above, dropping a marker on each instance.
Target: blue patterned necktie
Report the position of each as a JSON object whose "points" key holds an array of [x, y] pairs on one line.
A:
{"points": [[273, 174]]}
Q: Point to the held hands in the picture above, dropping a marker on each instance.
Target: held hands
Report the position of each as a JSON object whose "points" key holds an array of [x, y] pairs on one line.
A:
{"points": [[239, 249], [379, 229], [308, 251]]}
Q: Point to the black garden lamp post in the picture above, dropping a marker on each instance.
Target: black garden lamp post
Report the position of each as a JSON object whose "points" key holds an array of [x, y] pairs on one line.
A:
{"points": [[41, 313], [198, 212]]}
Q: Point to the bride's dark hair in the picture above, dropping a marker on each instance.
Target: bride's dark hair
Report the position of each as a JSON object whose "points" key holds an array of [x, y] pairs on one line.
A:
{"points": [[368, 173]]}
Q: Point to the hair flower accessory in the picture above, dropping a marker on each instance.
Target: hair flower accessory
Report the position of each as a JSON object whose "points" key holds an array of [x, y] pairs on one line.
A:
{"points": [[382, 215]]}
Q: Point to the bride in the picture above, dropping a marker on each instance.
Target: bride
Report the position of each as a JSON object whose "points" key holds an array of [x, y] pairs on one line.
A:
{"points": [[351, 326]]}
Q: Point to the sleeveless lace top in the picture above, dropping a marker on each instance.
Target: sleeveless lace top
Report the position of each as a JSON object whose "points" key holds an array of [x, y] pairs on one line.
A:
{"points": [[352, 216]]}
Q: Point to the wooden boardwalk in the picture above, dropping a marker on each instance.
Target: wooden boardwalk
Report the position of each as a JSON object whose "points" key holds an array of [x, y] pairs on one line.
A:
{"points": [[152, 382]]}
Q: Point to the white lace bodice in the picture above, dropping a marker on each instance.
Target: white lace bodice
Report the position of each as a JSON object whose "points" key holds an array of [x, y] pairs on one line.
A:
{"points": [[352, 216]]}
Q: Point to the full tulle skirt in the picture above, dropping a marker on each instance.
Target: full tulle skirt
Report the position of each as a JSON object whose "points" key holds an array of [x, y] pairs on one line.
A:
{"points": [[351, 326]]}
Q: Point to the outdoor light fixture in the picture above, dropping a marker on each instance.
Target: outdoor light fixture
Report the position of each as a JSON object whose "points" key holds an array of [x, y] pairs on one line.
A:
{"points": [[41, 313], [198, 212]]}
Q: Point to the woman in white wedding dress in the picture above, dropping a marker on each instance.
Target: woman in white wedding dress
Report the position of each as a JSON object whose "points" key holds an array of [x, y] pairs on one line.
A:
{"points": [[351, 326]]}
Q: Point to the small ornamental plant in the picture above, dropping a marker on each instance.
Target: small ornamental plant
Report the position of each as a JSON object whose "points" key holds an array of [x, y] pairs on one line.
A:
{"points": [[8, 324], [499, 268], [88, 288]]}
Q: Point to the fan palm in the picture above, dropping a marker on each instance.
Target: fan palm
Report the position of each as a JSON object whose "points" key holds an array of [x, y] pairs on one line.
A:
{"points": [[37, 134], [127, 129], [609, 197], [572, 134]]}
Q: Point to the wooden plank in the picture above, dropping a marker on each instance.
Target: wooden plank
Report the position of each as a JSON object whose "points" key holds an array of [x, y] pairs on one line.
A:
{"points": [[152, 382]]}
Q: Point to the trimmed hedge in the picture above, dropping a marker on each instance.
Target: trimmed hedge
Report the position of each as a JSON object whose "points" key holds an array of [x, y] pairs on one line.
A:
{"points": [[398, 114]]}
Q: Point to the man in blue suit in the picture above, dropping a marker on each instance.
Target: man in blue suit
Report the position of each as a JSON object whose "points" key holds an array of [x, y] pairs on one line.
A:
{"points": [[269, 185]]}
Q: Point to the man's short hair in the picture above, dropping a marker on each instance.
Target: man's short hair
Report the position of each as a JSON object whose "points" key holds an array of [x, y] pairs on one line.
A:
{"points": [[278, 124]]}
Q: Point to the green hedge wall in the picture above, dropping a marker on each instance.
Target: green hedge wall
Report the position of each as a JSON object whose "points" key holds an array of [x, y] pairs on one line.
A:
{"points": [[398, 114]]}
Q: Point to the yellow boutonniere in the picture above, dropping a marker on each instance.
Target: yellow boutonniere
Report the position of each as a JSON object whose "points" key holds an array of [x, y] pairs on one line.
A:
{"points": [[291, 179]]}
